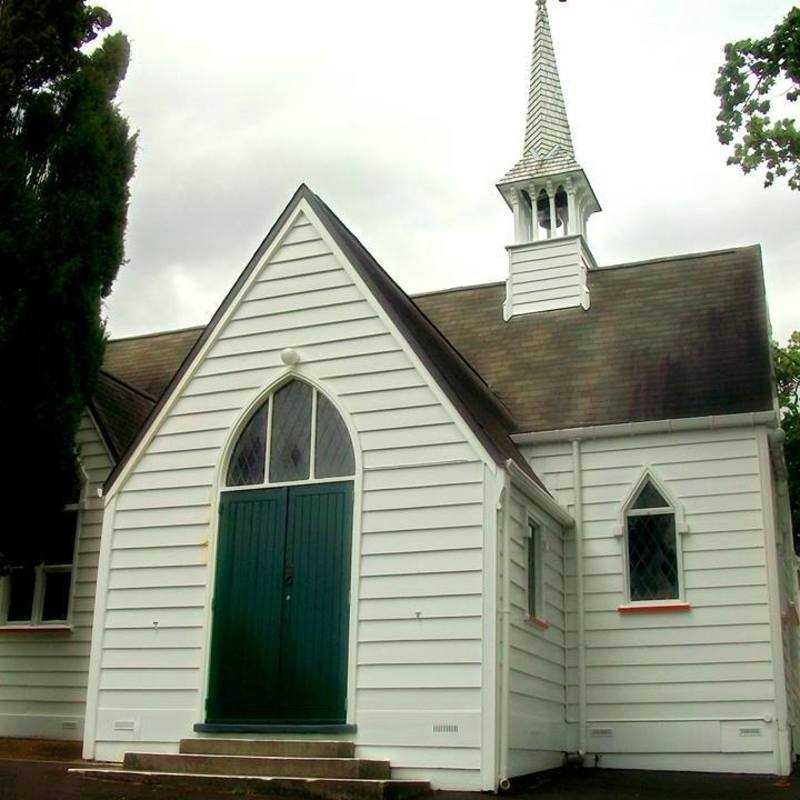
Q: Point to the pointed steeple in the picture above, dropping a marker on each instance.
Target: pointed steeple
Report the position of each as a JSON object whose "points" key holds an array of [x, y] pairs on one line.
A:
{"points": [[547, 131], [549, 194], [548, 145]]}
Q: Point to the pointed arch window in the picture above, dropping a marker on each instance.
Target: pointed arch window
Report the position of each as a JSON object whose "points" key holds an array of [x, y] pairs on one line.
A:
{"points": [[652, 545], [296, 434]]}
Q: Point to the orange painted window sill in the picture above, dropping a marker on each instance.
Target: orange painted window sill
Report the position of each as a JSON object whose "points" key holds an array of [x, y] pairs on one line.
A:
{"points": [[655, 608], [537, 623], [34, 629]]}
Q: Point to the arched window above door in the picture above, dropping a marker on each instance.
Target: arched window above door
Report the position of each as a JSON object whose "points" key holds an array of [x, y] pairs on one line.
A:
{"points": [[296, 434]]}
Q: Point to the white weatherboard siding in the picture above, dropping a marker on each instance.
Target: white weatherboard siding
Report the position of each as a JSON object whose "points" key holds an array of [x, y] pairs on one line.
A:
{"points": [[418, 660], [547, 275], [689, 691], [44, 673], [537, 679]]}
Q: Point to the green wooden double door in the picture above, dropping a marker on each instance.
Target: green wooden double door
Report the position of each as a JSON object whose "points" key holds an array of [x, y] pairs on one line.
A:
{"points": [[281, 606]]}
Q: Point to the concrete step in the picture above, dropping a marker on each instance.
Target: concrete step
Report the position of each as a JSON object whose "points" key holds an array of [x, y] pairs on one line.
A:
{"points": [[112, 784], [299, 748], [261, 766]]}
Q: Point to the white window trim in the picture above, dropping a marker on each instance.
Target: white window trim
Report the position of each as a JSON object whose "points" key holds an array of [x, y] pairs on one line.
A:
{"points": [[681, 528], [41, 571], [535, 537]]}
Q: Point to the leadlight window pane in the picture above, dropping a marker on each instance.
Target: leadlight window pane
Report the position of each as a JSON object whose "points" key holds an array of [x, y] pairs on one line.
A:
{"points": [[290, 448], [61, 546], [333, 450], [56, 595], [653, 558], [21, 583], [247, 463], [650, 497], [532, 569]]}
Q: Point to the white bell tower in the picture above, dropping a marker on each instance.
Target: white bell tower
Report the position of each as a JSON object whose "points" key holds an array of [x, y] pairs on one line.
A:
{"points": [[550, 196]]}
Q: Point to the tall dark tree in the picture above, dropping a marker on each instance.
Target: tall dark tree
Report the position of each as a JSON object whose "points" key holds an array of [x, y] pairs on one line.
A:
{"points": [[756, 73], [66, 157], [787, 374]]}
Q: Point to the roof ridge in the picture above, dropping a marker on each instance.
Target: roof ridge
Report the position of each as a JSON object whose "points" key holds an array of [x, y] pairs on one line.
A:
{"points": [[501, 405], [464, 288], [158, 333], [679, 257], [127, 385]]}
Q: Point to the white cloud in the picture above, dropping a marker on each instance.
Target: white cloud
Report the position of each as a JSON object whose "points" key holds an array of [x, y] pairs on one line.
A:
{"points": [[402, 116]]}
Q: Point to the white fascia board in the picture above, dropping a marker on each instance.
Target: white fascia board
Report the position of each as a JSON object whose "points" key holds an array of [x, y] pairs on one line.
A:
{"points": [[303, 207], [538, 495], [409, 351], [189, 373], [100, 435], [745, 420]]}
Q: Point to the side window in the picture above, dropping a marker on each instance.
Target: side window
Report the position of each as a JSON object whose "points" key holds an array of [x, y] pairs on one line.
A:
{"points": [[652, 546], [535, 572], [40, 594]]}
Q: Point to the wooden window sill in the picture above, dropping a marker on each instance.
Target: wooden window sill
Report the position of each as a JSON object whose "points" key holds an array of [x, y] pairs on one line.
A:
{"points": [[35, 628], [654, 608], [537, 623]]}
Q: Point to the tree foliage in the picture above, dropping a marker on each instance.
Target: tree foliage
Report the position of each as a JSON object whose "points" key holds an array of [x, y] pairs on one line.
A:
{"points": [[67, 156], [755, 73], [787, 374]]}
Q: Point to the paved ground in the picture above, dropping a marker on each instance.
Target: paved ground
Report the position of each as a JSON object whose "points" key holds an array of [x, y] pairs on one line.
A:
{"points": [[610, 784], [26, 779]]}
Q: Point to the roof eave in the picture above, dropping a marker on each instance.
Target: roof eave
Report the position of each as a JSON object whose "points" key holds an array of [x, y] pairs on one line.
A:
{"points": [[521, 183]]}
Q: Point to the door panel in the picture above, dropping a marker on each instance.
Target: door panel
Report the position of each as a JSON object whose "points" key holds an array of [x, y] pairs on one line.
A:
{"points": [[244, 678], [281, 606], [316, 607]]}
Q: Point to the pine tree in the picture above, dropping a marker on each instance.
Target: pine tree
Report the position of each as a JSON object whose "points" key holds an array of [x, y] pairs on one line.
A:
{"points": [[67, 157]]}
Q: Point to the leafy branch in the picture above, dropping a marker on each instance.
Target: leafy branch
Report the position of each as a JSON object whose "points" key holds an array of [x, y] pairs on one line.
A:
{"points": [[746, 85]]}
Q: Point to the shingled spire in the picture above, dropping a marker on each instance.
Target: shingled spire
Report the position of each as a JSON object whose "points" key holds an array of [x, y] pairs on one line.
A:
{"points": [[548, 192], [547, 134]]}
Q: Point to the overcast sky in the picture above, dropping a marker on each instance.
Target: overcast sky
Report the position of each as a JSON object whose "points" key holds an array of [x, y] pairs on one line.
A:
{"points": [[403, 116]]}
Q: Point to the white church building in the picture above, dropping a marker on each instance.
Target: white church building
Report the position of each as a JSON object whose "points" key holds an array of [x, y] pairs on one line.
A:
{"points": [[453, 538]]}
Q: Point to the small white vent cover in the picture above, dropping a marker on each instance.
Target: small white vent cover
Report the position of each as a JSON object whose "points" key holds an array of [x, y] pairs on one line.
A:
{"points": [[445, 727]]}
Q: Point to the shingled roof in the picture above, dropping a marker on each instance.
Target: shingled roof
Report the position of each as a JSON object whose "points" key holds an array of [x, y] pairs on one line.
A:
{"points": [[671, 338], [120, 410], [664, 339]]}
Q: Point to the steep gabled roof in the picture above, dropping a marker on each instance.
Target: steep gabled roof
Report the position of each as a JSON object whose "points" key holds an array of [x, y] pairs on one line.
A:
{"points": [[487, 417], [147, 363], [120, 410], [668, 338]]}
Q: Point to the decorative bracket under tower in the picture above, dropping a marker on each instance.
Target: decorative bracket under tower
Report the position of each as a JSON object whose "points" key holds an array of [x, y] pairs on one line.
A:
{"points": [[550, 196]]}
